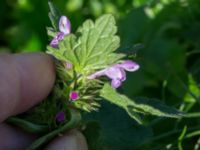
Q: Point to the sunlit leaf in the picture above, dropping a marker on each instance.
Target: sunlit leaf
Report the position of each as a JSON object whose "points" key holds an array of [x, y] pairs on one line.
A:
{"points": [[194, 91], [141, 105], [97, 42], [92, 47]]}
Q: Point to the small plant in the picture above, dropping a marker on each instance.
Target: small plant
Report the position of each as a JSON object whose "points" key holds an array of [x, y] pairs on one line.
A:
{"points": [[89, 69]]}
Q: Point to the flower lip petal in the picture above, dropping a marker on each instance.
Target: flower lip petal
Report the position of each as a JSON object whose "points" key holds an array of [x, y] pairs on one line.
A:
{"points": [[129, 65], [116, 83], [115, 72], [64, 25]]}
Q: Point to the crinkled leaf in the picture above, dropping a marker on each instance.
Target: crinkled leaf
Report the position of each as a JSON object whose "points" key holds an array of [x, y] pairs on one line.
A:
{"points": [[92, 47], [54, 52], [156, 107], [141, 105], [65, 50], [67, 46], [96, 43]]}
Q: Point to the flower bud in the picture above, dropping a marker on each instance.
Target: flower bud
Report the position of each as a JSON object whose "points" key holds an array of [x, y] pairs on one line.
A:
{"points": [[73, 95], [59, 36], [60, 116], [64, 25]]}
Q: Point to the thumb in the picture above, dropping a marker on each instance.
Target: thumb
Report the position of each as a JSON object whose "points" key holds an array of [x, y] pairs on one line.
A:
{"points": [[72, 140]]}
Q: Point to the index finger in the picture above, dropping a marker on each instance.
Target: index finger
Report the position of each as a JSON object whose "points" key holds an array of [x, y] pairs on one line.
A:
{"points": [[25, 79]]}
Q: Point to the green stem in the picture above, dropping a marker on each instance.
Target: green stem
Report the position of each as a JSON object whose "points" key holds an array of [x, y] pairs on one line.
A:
{"points": [[193, 115], [192, 134], [27, 126], [73, 122], [169, 133]]}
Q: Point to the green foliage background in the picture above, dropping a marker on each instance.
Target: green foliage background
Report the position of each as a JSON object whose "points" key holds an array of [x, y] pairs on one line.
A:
{"points": [[169, 31]]}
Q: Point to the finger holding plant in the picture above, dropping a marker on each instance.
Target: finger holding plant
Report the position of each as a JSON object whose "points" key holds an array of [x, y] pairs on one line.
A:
{"points": [[89, 69]]}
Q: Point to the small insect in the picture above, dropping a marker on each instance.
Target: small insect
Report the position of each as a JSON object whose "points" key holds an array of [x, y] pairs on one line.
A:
{"points": [[131, 51]]}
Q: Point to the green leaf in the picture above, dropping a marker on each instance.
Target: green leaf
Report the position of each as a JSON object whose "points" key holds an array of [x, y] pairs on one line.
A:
{"points": [[54, 15], [97, 42], [141, 105], [56, 53], [51, 32], [65, 51], [66, 46], [118, 131], [92, 47], [193, 92], [92, 132], [156, 107]]}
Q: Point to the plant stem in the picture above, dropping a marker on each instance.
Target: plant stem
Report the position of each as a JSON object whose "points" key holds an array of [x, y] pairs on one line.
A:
{"points": [[161, 136], [73, 122], [27, 126]]}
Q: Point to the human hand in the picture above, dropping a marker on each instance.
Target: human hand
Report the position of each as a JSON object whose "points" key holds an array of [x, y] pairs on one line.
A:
{"points": [[25, 80]]}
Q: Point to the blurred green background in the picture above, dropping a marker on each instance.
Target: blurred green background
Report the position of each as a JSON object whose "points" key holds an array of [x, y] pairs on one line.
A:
{"points": [[169, 31]]}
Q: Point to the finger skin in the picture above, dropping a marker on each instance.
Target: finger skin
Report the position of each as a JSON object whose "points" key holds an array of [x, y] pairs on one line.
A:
{"points": [[13, 138], [25, 80], [72, 140]]}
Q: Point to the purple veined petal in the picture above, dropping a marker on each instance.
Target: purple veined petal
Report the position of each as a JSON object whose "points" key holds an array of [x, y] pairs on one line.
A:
{"points": [[59, 36], [60, 116], [73, 95], [129, 65], [115, 73], [96, 74], [116, 83], [64, 25]]}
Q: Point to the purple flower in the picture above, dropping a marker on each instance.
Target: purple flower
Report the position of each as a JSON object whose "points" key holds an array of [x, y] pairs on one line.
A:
{"points": [[129, 65], [65, 29], [116, 83], [73, 95], [64, 25], [59, 36], [116, 72], [60, 116]]}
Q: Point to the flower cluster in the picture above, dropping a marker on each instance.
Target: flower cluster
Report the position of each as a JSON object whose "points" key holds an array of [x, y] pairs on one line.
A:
{"points": [[65, 29], [116, 72]]}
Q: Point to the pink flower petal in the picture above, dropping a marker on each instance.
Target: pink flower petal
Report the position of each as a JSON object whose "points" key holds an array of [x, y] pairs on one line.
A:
{"points": [[129, 65]]}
